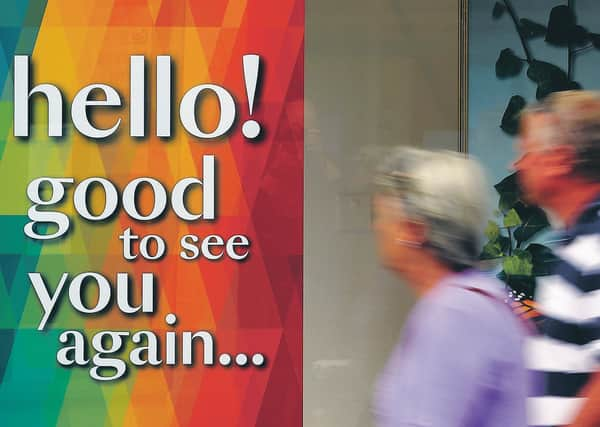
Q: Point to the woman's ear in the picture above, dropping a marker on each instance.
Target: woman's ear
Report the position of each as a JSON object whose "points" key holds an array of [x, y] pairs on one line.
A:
{"points": [[415, 231]]}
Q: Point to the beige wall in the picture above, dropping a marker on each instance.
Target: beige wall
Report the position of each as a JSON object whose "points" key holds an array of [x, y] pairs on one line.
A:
{"points": [[378, 73]]}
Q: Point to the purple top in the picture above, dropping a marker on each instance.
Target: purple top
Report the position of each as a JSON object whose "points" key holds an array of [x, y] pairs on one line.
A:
{"points": [[459, 362]]}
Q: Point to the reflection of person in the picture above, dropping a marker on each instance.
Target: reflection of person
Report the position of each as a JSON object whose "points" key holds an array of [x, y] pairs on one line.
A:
{"points": [[459, 362], [559, 169]]}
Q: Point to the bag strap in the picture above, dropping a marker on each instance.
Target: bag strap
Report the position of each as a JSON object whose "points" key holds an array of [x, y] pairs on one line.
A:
{"points": [[528, 326]]}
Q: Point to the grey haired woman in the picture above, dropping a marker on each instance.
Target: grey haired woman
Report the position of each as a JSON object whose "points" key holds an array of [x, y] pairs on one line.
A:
{"points": [[460, 359]]}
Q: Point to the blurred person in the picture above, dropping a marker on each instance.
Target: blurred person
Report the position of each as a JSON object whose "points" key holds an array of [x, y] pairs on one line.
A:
{"points": [[460, 359], [559, 169]]}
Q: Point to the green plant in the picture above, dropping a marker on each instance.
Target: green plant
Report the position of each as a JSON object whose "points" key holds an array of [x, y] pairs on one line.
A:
{"points": [[509, 241], [510, 238]]}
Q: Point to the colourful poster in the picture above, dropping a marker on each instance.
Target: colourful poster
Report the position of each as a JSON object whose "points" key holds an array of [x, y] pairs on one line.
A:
{"points": [[151, 160]]}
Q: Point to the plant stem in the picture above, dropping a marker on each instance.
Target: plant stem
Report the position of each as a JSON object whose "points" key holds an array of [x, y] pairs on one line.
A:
{"points": [[571, 57], [510, 245], [515, 19], [571, 63], [583, 49]]}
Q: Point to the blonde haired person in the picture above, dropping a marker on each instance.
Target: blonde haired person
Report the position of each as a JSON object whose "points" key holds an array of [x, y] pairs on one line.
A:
{"points": [[459, 361]]}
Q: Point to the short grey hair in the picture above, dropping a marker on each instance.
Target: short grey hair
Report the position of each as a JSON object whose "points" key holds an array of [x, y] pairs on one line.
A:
{"points": [[446, 191], [576, 116]]}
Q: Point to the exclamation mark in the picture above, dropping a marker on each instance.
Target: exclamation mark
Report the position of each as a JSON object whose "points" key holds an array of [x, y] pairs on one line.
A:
{"points": [[251, 128]]}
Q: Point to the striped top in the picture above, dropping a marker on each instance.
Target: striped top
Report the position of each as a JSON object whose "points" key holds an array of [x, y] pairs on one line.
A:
{"points": [[567, 351]]}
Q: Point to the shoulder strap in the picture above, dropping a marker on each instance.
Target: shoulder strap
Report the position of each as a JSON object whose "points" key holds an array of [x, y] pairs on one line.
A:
{"points": [[528, 326]]}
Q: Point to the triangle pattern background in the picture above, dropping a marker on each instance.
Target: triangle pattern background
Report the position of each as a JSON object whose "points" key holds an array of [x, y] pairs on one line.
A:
{"points": [[252, 306]]}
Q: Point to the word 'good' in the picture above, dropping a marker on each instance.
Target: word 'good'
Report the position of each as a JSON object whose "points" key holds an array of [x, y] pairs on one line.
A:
{"points": [[111, 200]]}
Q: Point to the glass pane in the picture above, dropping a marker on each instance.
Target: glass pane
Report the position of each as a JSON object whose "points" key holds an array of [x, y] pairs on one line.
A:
{"points": [[378, 74]]}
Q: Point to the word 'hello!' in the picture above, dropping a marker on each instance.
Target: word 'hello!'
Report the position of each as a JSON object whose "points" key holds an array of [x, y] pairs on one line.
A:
{"points": [[85, 99]]}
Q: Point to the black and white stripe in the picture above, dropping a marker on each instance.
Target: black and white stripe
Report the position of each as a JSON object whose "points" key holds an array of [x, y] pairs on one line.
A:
{"points": [[567, 352]]}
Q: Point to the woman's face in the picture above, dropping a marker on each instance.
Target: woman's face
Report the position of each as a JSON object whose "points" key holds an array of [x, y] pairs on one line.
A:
{"points": [[393, 231]]}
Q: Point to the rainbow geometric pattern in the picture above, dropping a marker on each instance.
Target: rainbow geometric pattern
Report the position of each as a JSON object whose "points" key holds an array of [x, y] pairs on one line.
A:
{"points": [[253, 306]]}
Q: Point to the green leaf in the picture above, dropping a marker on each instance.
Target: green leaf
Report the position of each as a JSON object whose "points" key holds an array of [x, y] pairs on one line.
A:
{"points": [[561, 24], [540, 72], [511, 219], [492, 231], [510, 119], [518, 264], [546, 88], [533, 220], [507, 201], [531, 29], [509, 192], [499, 10], [509, 183], [521, 269], [497, 244], [543, 259], [508, 64], [549, 78], [491, 250], [495, 249]]}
